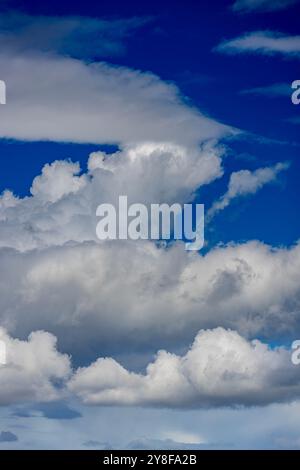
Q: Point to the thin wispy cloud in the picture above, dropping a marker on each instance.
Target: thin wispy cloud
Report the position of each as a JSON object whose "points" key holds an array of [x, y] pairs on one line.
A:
{"points": [[276, 89], [250, 6], [75, 36], [262, 42], [294, 120]]}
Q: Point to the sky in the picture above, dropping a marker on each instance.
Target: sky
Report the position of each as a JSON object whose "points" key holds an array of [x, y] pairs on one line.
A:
{"points": [[137, 344]]}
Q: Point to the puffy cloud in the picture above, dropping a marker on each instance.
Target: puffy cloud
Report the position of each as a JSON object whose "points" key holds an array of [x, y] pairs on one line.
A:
{"points": [[262, 42], [57, 180], [99, 298], [220, 368], [63, 203], [245, 182], [248, 6], [164, 296], [49, 251], [34, 371]]}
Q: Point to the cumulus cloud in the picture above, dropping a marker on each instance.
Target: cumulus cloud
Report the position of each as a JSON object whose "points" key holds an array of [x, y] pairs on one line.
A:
{"points": [[220, 368], [164, 296], [249, 6], [244, 182], [49, 251], [104, 298], [63, 204], [262, 42], [57, 180], [35, 370]]}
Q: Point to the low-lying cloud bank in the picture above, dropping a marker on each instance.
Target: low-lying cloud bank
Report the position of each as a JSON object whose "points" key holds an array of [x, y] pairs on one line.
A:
{"points": [[220, 368]]}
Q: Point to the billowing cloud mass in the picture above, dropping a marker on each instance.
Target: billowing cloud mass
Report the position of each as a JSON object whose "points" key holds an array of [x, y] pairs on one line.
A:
{"points": [[248, 6], [220, 368], [262, 42], [34, 371], [245, 182], [164, 296], [63, 203], [65, 279], [111, 305]]}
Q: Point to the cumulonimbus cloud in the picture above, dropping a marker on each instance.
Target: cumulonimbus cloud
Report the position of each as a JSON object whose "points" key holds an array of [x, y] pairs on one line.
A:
{"points": [[34, 370]]}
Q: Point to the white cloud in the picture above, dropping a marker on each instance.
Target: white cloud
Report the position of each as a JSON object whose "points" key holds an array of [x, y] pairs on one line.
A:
{"points": [[49, 251], [57, 180], [244, 182], [57, 89], [101, 298], [163, 296], [249, 6], [221, 368], [63, 203], [262, 42], [35, 370], [58, 98]]}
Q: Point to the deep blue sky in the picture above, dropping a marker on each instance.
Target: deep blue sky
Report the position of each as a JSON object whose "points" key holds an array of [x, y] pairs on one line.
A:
{"points": [[177, 45]]}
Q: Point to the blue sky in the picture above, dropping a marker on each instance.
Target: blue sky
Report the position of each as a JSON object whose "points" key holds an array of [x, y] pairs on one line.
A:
{"points": [[171, 102], [179, 48]]}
